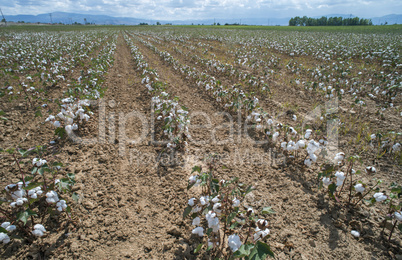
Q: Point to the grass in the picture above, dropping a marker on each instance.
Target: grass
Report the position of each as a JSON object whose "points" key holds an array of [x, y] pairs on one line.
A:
{"points": [[396, 29]]}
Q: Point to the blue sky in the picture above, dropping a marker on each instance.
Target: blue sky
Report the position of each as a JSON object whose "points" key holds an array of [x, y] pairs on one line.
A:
{"points": [[197, 9]]}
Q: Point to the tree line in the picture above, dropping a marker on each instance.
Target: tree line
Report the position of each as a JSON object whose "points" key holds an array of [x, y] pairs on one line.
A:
{"points": [[331, 21]]}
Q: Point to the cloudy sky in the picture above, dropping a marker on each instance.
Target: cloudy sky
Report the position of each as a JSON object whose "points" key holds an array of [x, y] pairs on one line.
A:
{"points": [[198, 9]]}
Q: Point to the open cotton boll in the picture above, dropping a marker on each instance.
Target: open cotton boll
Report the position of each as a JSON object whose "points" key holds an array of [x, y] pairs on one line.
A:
{"points": [[355, 233], [196, 221], [301, 144], [372, 137], [236, 202], [260, 234], [61, 205], [204, 200], [57, 124], [398, 216], [39, 230], [308, 133], [396, 147], [191, 202], [11, 228], [307, 162], [5, 224], [359, 188], [370, 169], [275, 136], [339, 157], [234, 242], [4, 238], [379, 196], [198, 231], [52, 197], [217, 207], [340, 177], [326, 181], [69, 129]]}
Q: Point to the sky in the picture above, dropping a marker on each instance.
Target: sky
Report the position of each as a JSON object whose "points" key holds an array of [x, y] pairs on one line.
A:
{"points": [[207, 9]]}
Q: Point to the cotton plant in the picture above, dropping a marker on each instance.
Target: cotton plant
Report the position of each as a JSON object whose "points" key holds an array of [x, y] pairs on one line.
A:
{"points": [[220, 219], [173, 117], [38, 194], [340, 178], [393, 213], [72, 113]]}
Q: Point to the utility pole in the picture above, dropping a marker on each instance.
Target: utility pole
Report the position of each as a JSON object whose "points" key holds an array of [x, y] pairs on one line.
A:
{"points": [[51, 20], [5, 21]]}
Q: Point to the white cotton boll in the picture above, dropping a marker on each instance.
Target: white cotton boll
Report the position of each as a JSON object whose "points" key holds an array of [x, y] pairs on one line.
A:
{"points": [[198, 231], [260, 233], [340, 177], [75, 126], [204, 200], [313, 157], [61, 205], [11, 228], [69, 129], [196, 209], [5, 224], [270, 122], [217, 207], [69, 121], [57, 124], [37, 233], [19, 202], [196, 221], [355, 233], [4, 238], [379, 196], [307, 162], [35, 161], [359, 188], [294, 117], [13, 204], [236, 202], [398, 216], [234, 242], [40, 227], [372, 137], [215, 200], [275, 136], [308, 133], [39, 192], [301, 144], [283, 145], [339, 157], [326, 181], [396, 147], [191, 202], [370, 169], [50, 118]]}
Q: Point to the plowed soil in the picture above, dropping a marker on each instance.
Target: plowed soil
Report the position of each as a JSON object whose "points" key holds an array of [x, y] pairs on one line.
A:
{"points": [[132, 195]]}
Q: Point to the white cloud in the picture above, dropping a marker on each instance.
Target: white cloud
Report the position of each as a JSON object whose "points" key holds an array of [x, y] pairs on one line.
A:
{"points": [[197, 9]]}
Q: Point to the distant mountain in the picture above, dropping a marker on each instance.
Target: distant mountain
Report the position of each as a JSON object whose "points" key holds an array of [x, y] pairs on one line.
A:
{"points": [[68, 18], [390, 19]]}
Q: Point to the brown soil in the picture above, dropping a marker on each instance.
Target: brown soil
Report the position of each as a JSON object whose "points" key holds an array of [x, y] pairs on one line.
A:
{"points": [[132, 197]]}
